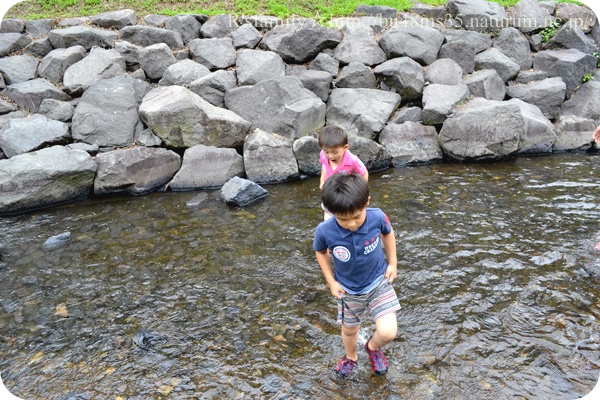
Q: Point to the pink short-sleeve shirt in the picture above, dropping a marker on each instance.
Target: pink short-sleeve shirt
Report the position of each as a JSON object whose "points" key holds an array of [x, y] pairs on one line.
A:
{"points": [[350, 164]]}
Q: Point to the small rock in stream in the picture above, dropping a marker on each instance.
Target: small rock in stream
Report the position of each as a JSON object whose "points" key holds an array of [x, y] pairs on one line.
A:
{"points": [[55, 242], [147, 339]]}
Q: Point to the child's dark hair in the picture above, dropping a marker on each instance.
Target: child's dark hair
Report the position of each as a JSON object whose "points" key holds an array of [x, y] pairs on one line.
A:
{"points": [[332, 136], [345, 193]]}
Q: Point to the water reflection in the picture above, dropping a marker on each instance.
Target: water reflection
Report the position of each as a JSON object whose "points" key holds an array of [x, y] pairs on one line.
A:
{"points": [[152, 299]]}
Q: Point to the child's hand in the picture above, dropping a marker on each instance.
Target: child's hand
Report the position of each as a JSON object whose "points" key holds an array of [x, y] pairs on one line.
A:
{"points": [[391, 273], [337, 290]]}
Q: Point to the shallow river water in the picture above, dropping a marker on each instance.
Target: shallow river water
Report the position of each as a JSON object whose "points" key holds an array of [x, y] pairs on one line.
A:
{"points": [[152, 299]]}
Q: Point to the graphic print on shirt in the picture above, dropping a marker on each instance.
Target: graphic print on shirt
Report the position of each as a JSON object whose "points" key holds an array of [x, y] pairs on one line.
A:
{"points": [[341, 253], [372, 245]]}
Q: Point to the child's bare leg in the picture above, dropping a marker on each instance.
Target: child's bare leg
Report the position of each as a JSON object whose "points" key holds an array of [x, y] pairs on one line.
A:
{"points": [[350, 340], [386, 328]]}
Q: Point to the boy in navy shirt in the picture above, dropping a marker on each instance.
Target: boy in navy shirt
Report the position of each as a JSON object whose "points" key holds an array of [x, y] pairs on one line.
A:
{"points": [[359, 278]]}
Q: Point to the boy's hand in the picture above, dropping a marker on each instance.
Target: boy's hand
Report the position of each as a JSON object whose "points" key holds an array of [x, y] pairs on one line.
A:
{"points": [[336, 290], [391, 273]]}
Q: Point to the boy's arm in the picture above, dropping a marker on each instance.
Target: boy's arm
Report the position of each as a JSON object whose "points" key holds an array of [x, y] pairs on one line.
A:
{"points": [[366, 176], [322, 182], [389, 242], [324, 260]]}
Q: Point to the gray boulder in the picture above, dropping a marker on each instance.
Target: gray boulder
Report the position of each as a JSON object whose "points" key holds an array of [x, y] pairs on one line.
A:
{"points": [[261, 22], [187, 25], [461, 52], [23, 135], [318, 82], [215, 53], [38, 27], [584, 102], [6, 107], [219, 26], [478, 15], [149, 35], [38, 48], [538, 132], [361, 112], [136, 170], [478, 40], [183, 73], [57, 110], [444, 71], [11, 42], [300, 40], [53, 66], [44, 178], [375, 156], [181, 118], [406, 39], [30, 94], [377, 11], [19, 68], [494, 59], [531, 76], [269, 158], [107, 114], [246, 36], [57, 241], [573, 133], [242, 192], [411, 143], [281, 106], [571, 36], [413, 114], [487, 84], [148, 138], [130, 52], [306, 150], [155, 20], [206, 167], [483, 130], [359, 45], [515, 45], [440, 101], [114, 19], [528, 16], [581, 15], [155, 59], [253, 66], [213, 86], [548, 95], [570, 65], [98, 64], [325, 62], [356, 75], [11, 25], [82, 36], [404, 75]]}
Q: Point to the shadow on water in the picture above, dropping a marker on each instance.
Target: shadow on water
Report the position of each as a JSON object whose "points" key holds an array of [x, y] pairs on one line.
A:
{"points": [[152, 299]]}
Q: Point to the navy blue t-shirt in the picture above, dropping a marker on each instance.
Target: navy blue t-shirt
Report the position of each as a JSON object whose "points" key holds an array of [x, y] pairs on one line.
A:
{"points": [[358, 258]]}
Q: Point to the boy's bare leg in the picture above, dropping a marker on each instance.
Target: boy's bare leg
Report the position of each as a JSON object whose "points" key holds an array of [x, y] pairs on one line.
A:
{"points": [[386, 328], [350, 340]]}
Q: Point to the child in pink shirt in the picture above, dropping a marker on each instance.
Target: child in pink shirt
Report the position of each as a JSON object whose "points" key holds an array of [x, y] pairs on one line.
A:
{"points": [[336, 158]]}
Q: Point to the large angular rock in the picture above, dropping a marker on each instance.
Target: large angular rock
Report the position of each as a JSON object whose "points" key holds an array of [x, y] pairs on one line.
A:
{"points": [[573, 133], [98, 64], [444, 71], [356, 75], [57, 110], [246, 36], [377, 11], [478, 40], [136, 170], [461, 52], [515, 46], [181, 118], [38, 48], [478, 15], [213, 86], [107, 114], [23, 135], [187, 25], [306, 150], [570, 65], [571, 36], [483, 130], [487, 84], [361, 112], [155, 59], [528, 16], [440, 101], [411, 143], [214, 53], [206, 167], [404, 75], [183, 73], [581, 15], [253, 66], [115, 19], [11, 25], [130, 52], [269, 158], [375, 156], [547, 94], [325, 62], [11, 42], [31, 93], [406, 39], [38, 27], [219, 26], [19, 68], [149, 35], [538, 132], [584, 103], [318, 82], [300, 40], [261, 22], [359, 45], [242, 192], [44, 178], [281, 106], [82, 36], [494, 59], [53, 66]]}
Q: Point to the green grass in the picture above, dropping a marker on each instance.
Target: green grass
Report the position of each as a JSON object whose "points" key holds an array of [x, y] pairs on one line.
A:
{"points": [[321, 10]]}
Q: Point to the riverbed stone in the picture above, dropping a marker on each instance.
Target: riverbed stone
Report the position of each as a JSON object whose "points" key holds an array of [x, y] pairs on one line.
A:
{"points": [[19, 68], [206, 167], [440, 101], [23, 135], [44, 178], [579, 103], [242, 192], [181, 118], [494, 59], [253, 66], [548, 95], [107, 114], [538, 135], [98, 64], [155, 59], [404, 75], [214, 53], [570, 65], [411, 143], [183, 73], [356, 75], [29, 94], [281, 106], [486, 83], [375, 156], [82, 36], [57, 241], [148, 35], [114, 19], [213, 86], [136, 170], [359, 45], [11, 42], [405, 39], [306, 150], [573, 133], [269, 158], [54, 64], [478, 15], [361, 112]]}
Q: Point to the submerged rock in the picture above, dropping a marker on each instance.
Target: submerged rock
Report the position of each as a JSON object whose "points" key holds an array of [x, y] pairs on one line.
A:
{"points": [[57, 241]]}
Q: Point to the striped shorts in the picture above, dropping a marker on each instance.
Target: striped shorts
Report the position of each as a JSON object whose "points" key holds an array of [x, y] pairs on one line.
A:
{"points": [[380, 301]]}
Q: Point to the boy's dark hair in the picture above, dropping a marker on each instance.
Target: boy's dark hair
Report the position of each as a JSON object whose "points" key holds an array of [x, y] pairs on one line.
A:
{"points": [[345, 193], [332, 136]]}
